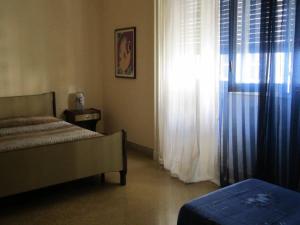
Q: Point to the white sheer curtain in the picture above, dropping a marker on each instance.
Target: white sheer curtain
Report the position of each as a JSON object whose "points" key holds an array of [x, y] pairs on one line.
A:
{"points": [[187, 70]]}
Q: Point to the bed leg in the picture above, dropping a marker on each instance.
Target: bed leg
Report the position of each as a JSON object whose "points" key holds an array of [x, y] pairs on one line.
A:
{"points": [[123, 177], [123, 172], [102, 178]]}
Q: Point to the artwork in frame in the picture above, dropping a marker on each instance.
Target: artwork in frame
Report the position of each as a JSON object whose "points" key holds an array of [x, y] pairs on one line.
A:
{"points": [[125, 40]]}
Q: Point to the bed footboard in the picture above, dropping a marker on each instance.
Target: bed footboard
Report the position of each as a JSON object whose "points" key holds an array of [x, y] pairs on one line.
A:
{"points": [[122, 172], [33, 168]]}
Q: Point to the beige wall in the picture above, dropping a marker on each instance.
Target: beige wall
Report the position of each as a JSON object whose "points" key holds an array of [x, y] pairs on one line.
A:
{"points": [[50, 45], [129, 103], [68, 45]]}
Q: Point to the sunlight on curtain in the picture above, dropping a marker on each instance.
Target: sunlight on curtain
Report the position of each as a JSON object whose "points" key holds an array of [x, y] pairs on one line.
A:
{"points": [[187, 88]]}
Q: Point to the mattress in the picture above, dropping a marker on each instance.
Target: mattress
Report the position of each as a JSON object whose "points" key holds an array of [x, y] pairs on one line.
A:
{"points": [[28, 132], [249, 202]]}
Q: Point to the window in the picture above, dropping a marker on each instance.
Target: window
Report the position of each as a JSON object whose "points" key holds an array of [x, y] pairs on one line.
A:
{"points": [[190, 26], [250, 30]]}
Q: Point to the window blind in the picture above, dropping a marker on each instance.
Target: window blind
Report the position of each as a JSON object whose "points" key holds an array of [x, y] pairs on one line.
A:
{"points": [[224, 26], [190, 27], [257, 22]]}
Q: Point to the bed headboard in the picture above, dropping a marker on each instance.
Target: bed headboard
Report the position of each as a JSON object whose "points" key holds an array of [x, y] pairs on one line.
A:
{"points": [[28, 105]]}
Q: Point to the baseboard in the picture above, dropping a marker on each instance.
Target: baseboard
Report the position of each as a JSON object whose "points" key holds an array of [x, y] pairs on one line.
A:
{"points": [[143, 149]]}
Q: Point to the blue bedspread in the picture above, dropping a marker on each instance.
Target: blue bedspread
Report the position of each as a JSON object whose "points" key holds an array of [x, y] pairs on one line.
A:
{"points": [[249, 202]]}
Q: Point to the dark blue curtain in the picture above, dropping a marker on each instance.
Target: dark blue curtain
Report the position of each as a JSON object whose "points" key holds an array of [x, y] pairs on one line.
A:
{"points": [[260, 95], [294, 168]]}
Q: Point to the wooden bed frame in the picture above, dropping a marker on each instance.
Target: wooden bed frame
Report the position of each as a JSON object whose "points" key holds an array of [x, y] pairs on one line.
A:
{"points": [[32, 168]]}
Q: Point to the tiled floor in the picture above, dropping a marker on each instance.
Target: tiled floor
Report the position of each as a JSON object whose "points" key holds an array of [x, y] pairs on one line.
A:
{"points": [[151, 197]]}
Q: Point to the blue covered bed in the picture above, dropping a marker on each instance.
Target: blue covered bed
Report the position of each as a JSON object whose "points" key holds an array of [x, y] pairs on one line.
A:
{"points": [[249, 202]]}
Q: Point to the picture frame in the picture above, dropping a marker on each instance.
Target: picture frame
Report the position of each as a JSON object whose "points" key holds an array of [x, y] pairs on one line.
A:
{"points": [[125, 53]]}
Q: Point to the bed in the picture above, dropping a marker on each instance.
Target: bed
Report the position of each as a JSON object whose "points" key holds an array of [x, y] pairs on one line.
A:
{"points": [[249, 202], [39, 150]]}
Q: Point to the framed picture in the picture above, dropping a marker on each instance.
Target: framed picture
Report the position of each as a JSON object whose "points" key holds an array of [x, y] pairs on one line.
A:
{"points": [[125, 53]]}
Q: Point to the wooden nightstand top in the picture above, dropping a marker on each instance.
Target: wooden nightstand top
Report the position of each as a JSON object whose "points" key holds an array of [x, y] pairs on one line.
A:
{"points": [[82, 115]]}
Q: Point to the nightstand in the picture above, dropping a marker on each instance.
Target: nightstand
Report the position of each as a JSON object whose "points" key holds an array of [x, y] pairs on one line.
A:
{"points": [[86, 118]]}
